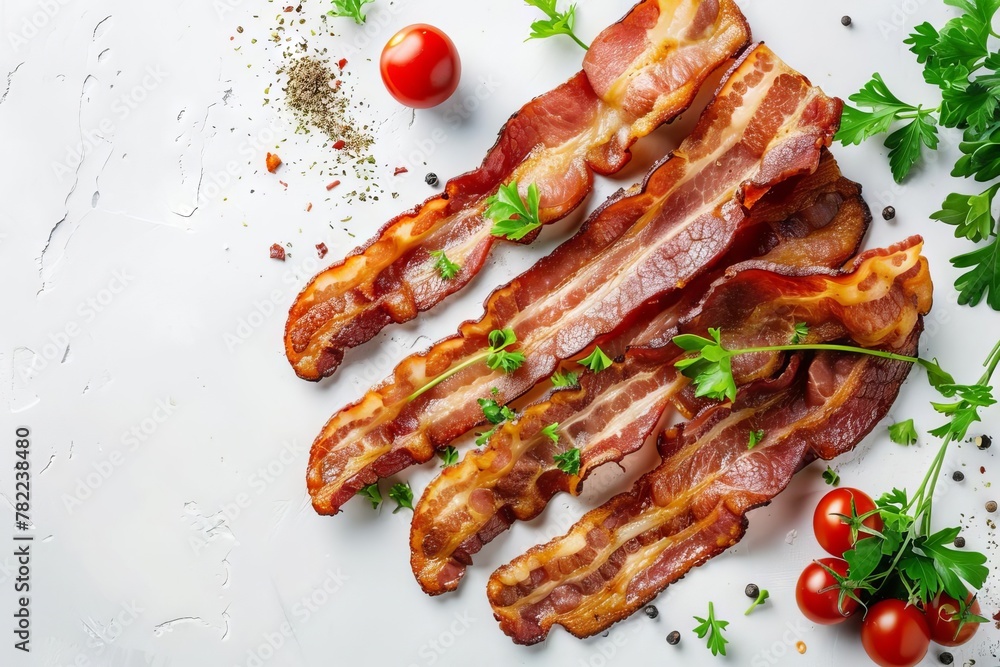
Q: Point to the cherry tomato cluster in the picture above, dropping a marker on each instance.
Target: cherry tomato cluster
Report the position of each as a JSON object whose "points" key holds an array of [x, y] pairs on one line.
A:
{"points": [[894, 632]]}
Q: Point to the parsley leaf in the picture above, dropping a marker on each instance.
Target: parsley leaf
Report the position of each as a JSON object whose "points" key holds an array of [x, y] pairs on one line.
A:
{"points": [[551, 432], [513, 218], [403, 495], [906, 143], [349, 9], [568, 461], [712, 369], [799, 333], [567, 379], [953, 566], [980, 154], [372, 494], [494, 412], [983, 276], [903, 433], [970, 214], [712, 629], [963, 413], [597, 361], [498, 356], [761, 597], [922, 41], [483, 438], [831, 477], [558, 23], [449, 456], [755, 438], [446, 268]]}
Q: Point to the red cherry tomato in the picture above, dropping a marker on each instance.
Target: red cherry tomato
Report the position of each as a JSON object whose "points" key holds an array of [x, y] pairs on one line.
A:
{"points": [[944, 616], [831, 532], [818, 593], [895, 634], [420, 66]]}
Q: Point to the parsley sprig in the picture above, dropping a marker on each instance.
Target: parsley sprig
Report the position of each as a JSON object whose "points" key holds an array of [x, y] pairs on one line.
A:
{"points": [[557, 23], [350, 9], [957, 60], [568, 461], [496, 356], [447, 269], [903, 433], [711, 629], [513, 217]]}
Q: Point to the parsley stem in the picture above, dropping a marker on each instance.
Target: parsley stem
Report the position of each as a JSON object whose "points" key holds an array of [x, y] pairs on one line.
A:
{"points": [[835, 348], [577, 40], [447, 374]]}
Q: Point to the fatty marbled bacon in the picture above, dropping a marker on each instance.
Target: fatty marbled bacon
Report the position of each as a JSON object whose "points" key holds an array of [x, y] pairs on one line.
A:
{"points": [[693, 506], [817, 220], [646, 70], [766, 125]]}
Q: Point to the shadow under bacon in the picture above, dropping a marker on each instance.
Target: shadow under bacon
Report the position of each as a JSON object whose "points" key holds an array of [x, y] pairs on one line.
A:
{"points": [[693, 506], [817, 220]]}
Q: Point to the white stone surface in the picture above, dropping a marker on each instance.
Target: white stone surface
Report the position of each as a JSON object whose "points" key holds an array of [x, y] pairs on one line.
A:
{"points": [[172, 523]]}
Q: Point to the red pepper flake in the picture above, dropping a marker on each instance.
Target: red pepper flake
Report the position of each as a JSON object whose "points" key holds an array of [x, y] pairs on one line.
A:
{"points": [[273, 162], [343, 63], [289, 8], [321, 250], [400, 170], [331, 186], [982, 470], [278, 253], [339, 144], [309, 207], [285, 184]]}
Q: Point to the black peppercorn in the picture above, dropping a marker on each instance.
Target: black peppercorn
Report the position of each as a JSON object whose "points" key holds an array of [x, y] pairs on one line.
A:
{"points": [[958, 475], [431, 179], [889, 212], [751, 591], [674, 638], [946, 658], [651, 611], [845, 20], [959, 542], [983, 441], [991, 506]]}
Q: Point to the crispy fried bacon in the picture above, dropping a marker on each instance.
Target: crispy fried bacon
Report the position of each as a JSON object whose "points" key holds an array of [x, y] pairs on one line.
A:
{"points": [[646, 69], [693, 506], [817, 222], [766, 125]]}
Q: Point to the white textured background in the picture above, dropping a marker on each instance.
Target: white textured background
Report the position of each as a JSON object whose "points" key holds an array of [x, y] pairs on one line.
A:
{"points": [[140, 339]]}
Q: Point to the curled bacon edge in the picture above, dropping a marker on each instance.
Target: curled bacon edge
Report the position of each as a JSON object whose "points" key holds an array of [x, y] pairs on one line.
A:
{"points": [[639, 73], [386, 431], [816, 220], [693, 506]]}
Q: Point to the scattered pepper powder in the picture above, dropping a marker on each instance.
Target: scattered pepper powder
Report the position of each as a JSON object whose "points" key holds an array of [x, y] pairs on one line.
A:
{"points": [[313, 94]]}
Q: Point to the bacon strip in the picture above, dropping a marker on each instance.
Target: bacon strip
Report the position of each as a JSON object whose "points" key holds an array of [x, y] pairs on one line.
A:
{"points": [[766, 125], [646, 70], [819, 222], [693, 506]]}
